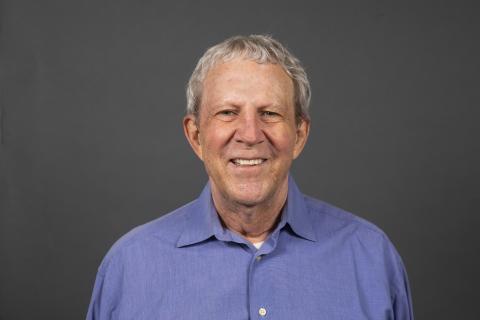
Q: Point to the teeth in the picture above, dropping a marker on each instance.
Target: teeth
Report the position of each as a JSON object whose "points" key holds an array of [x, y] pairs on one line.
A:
{"points": [[244, 162]]}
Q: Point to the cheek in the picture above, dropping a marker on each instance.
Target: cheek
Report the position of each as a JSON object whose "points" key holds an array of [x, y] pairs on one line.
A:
{"points": [[214, 138], [284, 141], [213, 150]]}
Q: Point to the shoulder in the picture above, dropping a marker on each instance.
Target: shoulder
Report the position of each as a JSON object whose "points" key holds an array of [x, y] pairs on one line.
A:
{"points": [[359, 238], [161, 233], [331, 219], [363, 238], [362, 246]]}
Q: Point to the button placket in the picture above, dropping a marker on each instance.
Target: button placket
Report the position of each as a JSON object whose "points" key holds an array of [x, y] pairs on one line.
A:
{"points": [[259, 299]]}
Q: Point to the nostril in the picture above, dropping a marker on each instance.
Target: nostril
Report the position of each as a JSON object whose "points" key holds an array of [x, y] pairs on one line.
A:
{"points": [[251, 134]]}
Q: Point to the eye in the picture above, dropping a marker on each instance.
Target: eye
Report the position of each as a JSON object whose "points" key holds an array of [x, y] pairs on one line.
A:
{"points": [[269, 114], [226, 114]]}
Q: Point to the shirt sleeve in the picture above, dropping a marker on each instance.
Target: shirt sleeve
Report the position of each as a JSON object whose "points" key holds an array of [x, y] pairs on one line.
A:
{"points": [[402, 304], [106, 293], [100, 307], [400, 290], [95, 307]]}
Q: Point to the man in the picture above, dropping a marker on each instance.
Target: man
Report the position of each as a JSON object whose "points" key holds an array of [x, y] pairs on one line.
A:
{"points": [[251, 246]]}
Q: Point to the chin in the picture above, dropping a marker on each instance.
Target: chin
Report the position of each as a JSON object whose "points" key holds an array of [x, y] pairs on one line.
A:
{"points": [[248, 195], [248, 202]]}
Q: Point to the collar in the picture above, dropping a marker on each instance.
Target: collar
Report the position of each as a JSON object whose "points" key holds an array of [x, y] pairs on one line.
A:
{"points": [[202, 221], [297, 213]]}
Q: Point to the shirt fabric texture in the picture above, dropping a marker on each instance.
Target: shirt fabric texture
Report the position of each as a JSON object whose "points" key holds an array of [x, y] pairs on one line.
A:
{"points": [[319, 263]]}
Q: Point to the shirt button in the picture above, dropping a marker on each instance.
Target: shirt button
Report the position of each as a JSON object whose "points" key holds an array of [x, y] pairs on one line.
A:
{"points": [[262, 312], [258, 258]]}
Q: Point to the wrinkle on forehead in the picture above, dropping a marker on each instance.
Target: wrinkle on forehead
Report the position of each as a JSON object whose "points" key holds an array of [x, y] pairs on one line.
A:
{"points": [[264, 84]]}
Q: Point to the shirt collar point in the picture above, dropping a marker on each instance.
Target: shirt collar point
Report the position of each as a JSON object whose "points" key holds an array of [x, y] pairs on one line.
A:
{"points": [[187, 239], [305, 232], [298, 216]]}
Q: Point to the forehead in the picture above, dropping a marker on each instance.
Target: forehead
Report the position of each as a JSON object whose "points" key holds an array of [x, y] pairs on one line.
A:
{"points": [[242, 79]]}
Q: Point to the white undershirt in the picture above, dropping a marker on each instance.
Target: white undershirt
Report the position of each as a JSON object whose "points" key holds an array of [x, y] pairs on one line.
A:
{"points": [[258, 244]]}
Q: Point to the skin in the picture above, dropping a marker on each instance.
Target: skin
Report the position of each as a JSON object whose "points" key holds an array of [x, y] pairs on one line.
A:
{"points": [[247, 112]]}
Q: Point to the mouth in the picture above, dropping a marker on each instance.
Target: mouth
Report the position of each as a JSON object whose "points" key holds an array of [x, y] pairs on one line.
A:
{"points": [[247, 162]]}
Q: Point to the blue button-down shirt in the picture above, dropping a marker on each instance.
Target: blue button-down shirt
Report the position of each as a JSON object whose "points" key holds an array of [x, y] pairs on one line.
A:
{"points": [[320, 263]]}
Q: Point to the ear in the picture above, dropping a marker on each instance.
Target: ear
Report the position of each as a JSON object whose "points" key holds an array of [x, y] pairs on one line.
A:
{"points": [[192, 133], [303, 128]]}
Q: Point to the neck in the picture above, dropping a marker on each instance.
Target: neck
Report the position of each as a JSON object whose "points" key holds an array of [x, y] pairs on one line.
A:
{"points": [[253, 222]]}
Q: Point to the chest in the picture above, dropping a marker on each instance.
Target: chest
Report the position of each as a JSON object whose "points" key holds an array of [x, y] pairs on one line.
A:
{"points": [[233, 282]]}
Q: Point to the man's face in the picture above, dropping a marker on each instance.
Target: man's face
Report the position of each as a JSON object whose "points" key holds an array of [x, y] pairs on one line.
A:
{"points": [[246, 133]]}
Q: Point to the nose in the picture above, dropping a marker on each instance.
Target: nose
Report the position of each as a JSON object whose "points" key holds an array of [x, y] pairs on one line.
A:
{"points": [[249, 130]]}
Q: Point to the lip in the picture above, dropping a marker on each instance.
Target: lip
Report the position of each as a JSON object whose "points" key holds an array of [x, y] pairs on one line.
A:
{"points": [[249, 170], [247, 162], [248, 157]]}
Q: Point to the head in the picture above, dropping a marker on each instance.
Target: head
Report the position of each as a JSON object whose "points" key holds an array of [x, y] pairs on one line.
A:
{"points": [[247, 118], [261, 49]]}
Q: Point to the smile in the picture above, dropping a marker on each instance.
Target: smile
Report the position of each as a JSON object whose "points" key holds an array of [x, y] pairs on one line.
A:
{"points": [[248, 162]]}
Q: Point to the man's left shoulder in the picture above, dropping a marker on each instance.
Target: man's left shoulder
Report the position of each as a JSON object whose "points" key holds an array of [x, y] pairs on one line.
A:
{"points": [[357, 246], [350, 235], [330, 220]]}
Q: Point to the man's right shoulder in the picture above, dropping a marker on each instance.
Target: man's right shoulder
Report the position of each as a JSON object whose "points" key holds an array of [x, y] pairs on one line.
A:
{"points": [[161, 232]]}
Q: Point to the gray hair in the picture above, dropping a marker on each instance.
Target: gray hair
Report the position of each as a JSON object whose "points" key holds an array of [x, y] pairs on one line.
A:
{"points": [[261, 49]]}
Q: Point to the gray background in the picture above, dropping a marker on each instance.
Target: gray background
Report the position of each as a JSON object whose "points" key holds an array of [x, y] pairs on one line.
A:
{"points": [[91, 140]]}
